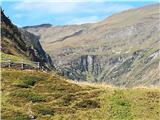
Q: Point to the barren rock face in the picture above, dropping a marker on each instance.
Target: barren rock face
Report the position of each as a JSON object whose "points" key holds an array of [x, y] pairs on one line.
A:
{"points": [[113, 50]]}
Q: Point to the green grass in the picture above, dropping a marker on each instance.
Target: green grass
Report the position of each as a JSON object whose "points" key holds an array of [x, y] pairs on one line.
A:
{"points": [[29, 95], [15, 59], [120, 106], [28, 81], [51, 97]]}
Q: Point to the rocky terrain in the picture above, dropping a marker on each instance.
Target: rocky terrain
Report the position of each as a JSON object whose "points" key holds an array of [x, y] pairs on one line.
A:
{"points": [[20, 43], [122, 50]]}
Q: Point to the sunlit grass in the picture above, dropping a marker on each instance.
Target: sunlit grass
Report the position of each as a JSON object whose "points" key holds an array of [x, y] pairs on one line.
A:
{"points": [[50, 96]]}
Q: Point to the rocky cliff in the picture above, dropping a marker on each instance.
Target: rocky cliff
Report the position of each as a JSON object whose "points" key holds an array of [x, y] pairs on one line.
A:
{"points": [[122, 50], [18, 42]]}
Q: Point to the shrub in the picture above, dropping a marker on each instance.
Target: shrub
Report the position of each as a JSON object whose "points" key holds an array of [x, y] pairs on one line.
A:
{"points": [[28, 81], [21, 117], [36, 98], [67, 100], [44, 110], [29, 96], [88, 104], [22, 85]]}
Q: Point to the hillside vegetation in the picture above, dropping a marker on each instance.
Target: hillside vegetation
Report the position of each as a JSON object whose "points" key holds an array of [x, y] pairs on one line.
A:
{"points": [[48, 96]]}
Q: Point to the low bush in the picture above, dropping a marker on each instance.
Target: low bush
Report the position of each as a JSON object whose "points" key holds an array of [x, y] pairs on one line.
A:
{"points": [[88, 104], [28, 81], [21, 117], [29, 96], [44, 110], [67, 100], [22, 85]]}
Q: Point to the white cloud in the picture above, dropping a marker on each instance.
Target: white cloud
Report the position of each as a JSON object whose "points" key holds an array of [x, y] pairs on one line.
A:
{"points": [[91, 19], [82, 12], [105, 8], [74, 11], [54, 7], [84, 0], [70, 7], [59, 0]]}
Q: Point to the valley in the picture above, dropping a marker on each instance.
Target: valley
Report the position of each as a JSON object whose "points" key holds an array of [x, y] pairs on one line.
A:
{"points": [[122, 50]]}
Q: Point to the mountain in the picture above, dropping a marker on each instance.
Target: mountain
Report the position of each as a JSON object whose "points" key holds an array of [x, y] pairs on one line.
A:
{"points": [[38, 26], [122, 50], [20, 43]]}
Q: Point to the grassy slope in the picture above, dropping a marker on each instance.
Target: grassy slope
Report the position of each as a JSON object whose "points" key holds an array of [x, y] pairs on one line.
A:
{"points": [[15, 59], [50, 97]]}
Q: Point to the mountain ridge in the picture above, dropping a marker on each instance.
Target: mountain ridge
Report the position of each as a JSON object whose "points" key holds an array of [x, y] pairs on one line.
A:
{"points": [[37, 26], [23, 44], [112, 51]]}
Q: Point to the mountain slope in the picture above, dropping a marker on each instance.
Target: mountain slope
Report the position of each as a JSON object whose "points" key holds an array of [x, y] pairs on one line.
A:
{"points": [[20, 43], [36, 95], [122, 50]]}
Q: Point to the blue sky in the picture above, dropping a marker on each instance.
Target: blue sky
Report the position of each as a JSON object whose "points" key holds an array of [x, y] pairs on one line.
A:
{"points": [[62, 12]]}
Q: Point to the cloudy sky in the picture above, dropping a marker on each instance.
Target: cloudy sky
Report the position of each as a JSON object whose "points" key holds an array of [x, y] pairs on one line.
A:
{"points": [[62, 12]]}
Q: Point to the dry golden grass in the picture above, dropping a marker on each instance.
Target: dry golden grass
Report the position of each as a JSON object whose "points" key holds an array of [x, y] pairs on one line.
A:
{"points": [[48, 96]]}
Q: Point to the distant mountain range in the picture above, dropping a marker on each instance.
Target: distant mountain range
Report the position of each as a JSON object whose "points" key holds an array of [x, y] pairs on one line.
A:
{"points": [[38, 26], [122, 50]]}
